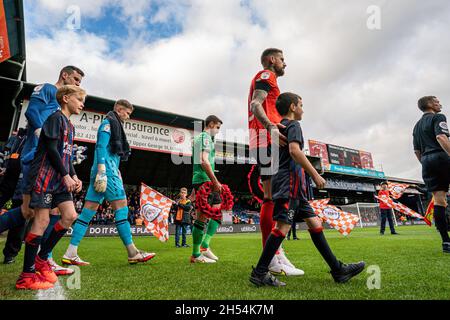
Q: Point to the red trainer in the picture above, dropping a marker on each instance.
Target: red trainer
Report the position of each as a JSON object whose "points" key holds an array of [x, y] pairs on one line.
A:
{"points": [[32, 281], [45, 270]]}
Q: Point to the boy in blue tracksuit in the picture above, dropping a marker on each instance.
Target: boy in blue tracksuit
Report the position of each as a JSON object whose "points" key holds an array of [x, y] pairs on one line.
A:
{"points": [[42, 105], [106, 183]]}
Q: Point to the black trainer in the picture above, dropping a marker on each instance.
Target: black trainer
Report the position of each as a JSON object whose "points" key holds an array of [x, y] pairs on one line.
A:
{"points": [[265, 279], [347, 271], [9, 260], [446, 247]]}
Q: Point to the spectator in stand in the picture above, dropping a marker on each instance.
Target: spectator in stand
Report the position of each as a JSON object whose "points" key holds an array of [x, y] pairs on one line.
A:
{"points": [[385, 211], [182, 218], [139, 221]]}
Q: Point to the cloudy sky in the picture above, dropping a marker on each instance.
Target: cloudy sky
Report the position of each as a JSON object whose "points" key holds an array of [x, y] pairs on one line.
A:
{"points": [[360, 66]]}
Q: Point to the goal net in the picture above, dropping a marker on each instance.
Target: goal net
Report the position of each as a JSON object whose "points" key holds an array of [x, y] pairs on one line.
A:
{"points": [[369, 213]]}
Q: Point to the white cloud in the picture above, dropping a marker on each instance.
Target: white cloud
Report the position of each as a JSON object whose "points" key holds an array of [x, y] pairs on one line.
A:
{"points": [[360, 87]]}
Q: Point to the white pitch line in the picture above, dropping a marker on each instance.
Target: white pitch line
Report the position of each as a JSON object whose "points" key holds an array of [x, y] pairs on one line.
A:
{"points": [[55, 293]]}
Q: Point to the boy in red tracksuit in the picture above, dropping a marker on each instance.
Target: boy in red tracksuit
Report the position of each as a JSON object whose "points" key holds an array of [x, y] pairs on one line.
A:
{"points": [[385, 210]]}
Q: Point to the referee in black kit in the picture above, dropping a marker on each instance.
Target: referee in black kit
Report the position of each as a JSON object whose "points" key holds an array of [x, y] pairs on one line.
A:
{"points": [[432, 148]]}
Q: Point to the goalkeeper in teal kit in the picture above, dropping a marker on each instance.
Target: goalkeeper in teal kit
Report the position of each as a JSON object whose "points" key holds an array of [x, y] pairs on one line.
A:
{"points": [[106, 183]]}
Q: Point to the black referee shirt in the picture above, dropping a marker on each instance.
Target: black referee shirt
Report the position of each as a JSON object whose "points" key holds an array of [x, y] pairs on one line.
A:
{"points": [[426, 130]]}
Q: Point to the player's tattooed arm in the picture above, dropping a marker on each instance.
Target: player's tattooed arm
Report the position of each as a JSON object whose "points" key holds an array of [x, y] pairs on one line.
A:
{"points": [[257, 109], [259, 96]]}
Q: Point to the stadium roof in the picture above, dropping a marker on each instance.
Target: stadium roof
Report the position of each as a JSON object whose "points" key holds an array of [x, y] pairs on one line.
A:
{"points": [[407, 181]]}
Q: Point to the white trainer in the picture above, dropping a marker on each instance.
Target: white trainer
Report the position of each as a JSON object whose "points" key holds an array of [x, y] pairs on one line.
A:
{"points": [[292, 272], [60, 271], [283, 259], [288, 267], [75, 261], [202, 259], [275, 267], [209, 254]]}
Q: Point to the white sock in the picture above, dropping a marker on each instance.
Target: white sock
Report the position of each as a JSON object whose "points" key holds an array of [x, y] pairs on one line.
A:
{"points": [[132, 250], [72, 251]]}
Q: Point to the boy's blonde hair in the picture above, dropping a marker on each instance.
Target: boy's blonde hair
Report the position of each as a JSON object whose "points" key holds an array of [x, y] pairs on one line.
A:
{"points": [[68, 90]]}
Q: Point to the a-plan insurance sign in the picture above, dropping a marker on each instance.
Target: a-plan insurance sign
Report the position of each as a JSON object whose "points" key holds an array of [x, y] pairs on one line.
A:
{"points": [[141, 135]]}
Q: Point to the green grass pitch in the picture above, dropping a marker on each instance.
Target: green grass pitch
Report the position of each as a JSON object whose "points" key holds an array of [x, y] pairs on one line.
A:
{"points": [[412, 266]]}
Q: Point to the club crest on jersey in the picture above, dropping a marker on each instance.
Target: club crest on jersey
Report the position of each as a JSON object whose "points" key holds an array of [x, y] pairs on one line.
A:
{"points": [[331, 213], [150, 212], [107, 128], [265, 76], [291, 214], [48, 198]]}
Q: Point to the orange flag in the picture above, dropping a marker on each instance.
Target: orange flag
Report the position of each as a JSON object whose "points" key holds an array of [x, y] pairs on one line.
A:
{"points": [[340, 220], [397, 189], [399, 207], [155, 209]]}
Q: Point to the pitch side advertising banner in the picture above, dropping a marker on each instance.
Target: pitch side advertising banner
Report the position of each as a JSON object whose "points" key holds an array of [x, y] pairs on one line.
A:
{"points": [[319, 149], [347, 185], [141, 135], [5, 54], [356, 171], [111, 230]]}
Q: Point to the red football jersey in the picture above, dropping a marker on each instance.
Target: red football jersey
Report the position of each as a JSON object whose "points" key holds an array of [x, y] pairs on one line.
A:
{"points": [[382, 204], [259, 136]]}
